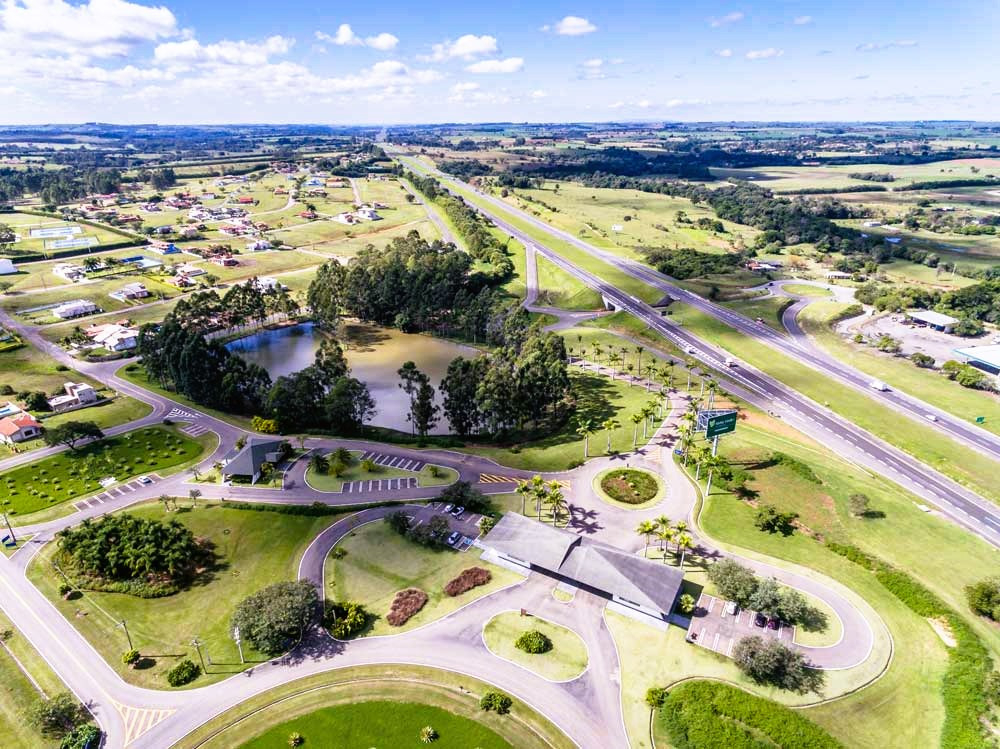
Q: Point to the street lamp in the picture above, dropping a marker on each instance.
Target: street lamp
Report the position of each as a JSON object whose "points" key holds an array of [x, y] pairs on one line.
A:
{"points": [[127, 635], [197, 646]]}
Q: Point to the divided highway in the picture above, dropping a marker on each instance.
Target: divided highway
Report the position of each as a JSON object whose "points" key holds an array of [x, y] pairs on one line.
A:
{"points": [[850, 441]]}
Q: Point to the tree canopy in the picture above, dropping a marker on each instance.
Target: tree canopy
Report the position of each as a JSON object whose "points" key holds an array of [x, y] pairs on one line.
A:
{"points": [[273, 619]]}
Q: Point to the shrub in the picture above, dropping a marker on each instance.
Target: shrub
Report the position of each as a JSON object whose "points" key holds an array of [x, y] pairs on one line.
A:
{"points": [[183, 673], [656, 696], [771, 520], [533, 642], [87, 736], [733, 581], [859, 505], [768, 661], [686, 603], [435, 471], [487, 523], [368, 465], [264, 426], [55, 717], [922, 360], [428, 734], [498, 702], [346, 619], [467, 580], [984, 597], [405, 606], [398, 521], [295, 739], [796, 466], [130, 657]]}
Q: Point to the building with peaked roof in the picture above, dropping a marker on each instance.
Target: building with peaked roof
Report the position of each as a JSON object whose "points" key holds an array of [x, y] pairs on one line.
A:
{"points": [[627, 579], [19, 428], [246, 463]]}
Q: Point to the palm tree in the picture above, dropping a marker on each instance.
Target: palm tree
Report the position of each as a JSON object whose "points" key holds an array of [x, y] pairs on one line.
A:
{"points": [[713, 386], [690, 364], [686, 443], [538, 492], [646, 413], [650, 373], [636, 418], [645, 529], [609, 425], [524, 488], [665, 536], [194, 494], [557, 503], [703, 455], [630, 368], [638, 351], [612, 361], [670, 374], [585, 429], [319, 463], [598, 350], [680, 526], [684, 543]]}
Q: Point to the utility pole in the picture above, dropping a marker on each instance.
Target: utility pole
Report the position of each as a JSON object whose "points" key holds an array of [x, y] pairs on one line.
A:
{"points": [[127, 635], [7, 521], [239, 643], [197, 646]]}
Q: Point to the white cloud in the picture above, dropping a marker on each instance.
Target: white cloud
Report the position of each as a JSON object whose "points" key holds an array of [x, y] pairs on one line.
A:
{"points": [[345, 37], [508, 65], [616, 105], [724, 52], [573, 26], [459, 88], [644, 104], [97, 28], [595, 62], [764, 54], [466, 47], [538, 94], [231, 53], [878, 47], [734, 17], [803, 20]]}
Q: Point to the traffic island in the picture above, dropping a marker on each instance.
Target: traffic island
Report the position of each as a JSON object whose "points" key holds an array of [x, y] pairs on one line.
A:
{"points": [[629, 488]]}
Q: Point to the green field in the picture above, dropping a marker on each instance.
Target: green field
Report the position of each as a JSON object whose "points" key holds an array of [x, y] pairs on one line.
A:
{"points": [[379, 562], [801, 289], [557, 288], [457, 694], [23, 223], [253, 548], [75, 473], [327, 482], [926, 384], [768, 310], [565, 661], [959, 462]]}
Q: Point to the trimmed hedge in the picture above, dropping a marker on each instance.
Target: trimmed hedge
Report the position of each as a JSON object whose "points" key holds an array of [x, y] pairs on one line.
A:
{"points": [[700, 714], [533, 642], [467, 580], [963, 688]]}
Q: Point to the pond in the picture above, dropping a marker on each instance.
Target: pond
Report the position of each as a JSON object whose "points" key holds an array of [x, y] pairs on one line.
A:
{"points": [[374, 354]]}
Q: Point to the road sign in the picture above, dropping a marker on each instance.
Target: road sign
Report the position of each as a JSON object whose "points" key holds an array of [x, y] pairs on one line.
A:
{"points": [[980, 419], [723, 423]]}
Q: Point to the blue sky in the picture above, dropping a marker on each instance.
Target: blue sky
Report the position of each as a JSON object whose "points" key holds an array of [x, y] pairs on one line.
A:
{"points": [[218, 61]]}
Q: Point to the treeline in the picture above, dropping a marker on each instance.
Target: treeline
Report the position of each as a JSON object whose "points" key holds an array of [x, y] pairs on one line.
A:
{"points": [[834, 190], [979, 302], [57, 186], [412, 285], [937, 184], [523, 381], [687, 263], [872, 176]]}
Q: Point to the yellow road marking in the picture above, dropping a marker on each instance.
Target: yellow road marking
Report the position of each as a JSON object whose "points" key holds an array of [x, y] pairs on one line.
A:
{"points": [[493, 478], [138, 720]]}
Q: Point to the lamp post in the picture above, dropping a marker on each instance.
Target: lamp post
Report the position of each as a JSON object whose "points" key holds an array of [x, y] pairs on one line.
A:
{"points": [[127, 635], [197, 646]]}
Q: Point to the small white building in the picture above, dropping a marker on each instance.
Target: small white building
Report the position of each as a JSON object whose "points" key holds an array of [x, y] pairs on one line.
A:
{"points": [[77, 394], [114, 337], [7, 266], [259, 245], [367, 213], [76, 308], [69, 271], [266, 283]]}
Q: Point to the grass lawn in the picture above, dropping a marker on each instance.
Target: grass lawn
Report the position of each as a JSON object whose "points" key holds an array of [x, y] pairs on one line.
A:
{"points": [[327, 482], [74, 473], [962, 464], [801, 289], [254, 549], [566, 660], [557, 288], [379, 562], [768, 309], [17, 693], [381, 722], [820, 638], [927, 384], [456, 694], [598, 398]]}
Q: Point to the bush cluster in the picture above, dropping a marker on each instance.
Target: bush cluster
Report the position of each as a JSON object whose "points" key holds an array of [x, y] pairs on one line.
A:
{"points": [[700, 714], [498, 702], [405, 606], [346, 619], [467, 580], [533, 642], [984, 597], [183, 673]]}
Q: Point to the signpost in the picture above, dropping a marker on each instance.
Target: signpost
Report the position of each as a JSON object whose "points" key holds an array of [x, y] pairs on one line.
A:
{"points": [[239, 643], [722, 423], [980, 419]]}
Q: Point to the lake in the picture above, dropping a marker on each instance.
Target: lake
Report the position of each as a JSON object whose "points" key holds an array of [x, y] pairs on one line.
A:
{"points": [[374, 354]]}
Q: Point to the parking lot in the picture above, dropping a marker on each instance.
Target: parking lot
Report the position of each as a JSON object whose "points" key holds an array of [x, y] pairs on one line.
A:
{"points": [[466, 525], [714, 628], [119, 490]]}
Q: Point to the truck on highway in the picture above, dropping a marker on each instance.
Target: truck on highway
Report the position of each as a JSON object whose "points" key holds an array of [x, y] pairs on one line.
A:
{"points": [[730, 361], [878, 385]]}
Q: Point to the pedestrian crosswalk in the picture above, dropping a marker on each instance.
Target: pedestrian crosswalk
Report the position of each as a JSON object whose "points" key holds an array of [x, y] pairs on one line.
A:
{"points": [[390, 461], [369, 485], [114, 492], [179, 414], [139, 720], [495, 478], [195, 429]]}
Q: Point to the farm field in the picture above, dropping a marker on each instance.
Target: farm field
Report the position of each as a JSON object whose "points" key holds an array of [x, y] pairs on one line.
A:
{"points": [[378, 562], [253, 548]]}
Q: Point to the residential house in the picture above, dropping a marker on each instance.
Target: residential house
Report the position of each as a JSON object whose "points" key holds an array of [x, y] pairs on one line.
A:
{"points": [[76, 308], [246, 200], [69, 271], [258, 246], [19, 428], [163, 248], [367, 213], [113, 336], [345, 218], [226, 261], [188, 232], [77, 394], [134, 291], [266, 283]]}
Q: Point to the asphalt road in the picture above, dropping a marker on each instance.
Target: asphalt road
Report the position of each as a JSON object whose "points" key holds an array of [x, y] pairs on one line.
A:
{"points": [[850, 441]]}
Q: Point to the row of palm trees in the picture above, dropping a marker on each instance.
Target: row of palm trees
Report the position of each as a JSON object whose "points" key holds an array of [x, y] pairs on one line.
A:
{"points": [[544, 494], [654, 371], [666, 532]]}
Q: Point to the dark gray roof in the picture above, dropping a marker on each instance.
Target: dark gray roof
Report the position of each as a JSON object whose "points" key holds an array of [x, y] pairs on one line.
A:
{"points": [[594, 564], [254, 454]]}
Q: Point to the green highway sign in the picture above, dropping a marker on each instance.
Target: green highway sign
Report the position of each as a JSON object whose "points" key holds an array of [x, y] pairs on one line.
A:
{"points": [[721, 424], [980, 419]]}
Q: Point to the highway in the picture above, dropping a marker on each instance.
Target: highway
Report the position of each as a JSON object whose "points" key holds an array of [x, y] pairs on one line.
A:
{"points": [[848, 440]]}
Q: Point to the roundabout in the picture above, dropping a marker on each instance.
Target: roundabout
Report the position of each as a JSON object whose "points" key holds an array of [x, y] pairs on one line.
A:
{"points": [[629, 488]]}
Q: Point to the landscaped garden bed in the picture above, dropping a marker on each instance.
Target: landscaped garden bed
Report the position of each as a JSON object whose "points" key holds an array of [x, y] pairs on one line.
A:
{"points": [[629, 486]]}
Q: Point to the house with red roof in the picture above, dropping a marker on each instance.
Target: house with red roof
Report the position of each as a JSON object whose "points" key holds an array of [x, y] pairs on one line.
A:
{"points": [[18, 428]]}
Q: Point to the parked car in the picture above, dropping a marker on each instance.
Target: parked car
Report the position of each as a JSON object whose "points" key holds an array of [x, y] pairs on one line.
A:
{"points": [[453, 538], [447, 508], [772, 623], [731, 608], [760, 620], [457, 512], [145, 480]]}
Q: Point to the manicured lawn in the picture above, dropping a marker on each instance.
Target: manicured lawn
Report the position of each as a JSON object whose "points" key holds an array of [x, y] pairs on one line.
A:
{"points": [[17, 693], [768, 309], [923, 442], [557, 288], [385, 723], [327, 482], [566, 660], [629, 486], [379, 562], [254, 549], [926, 384], [74, 473], [801, 289], [457, 694], [820, 638]]}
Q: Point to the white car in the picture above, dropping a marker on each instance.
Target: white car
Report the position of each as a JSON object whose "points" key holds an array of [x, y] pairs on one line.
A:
{"points": [[878, 385], [690, 349], [453, 538], [145, 480], [731, 608], [930, 417]]}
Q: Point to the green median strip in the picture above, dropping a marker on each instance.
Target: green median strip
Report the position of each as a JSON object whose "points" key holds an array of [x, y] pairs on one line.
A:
{"points": [[964, 465]]}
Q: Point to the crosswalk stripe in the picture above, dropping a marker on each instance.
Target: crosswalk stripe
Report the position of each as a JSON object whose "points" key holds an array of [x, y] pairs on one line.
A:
{"points": [[139, 720]]}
